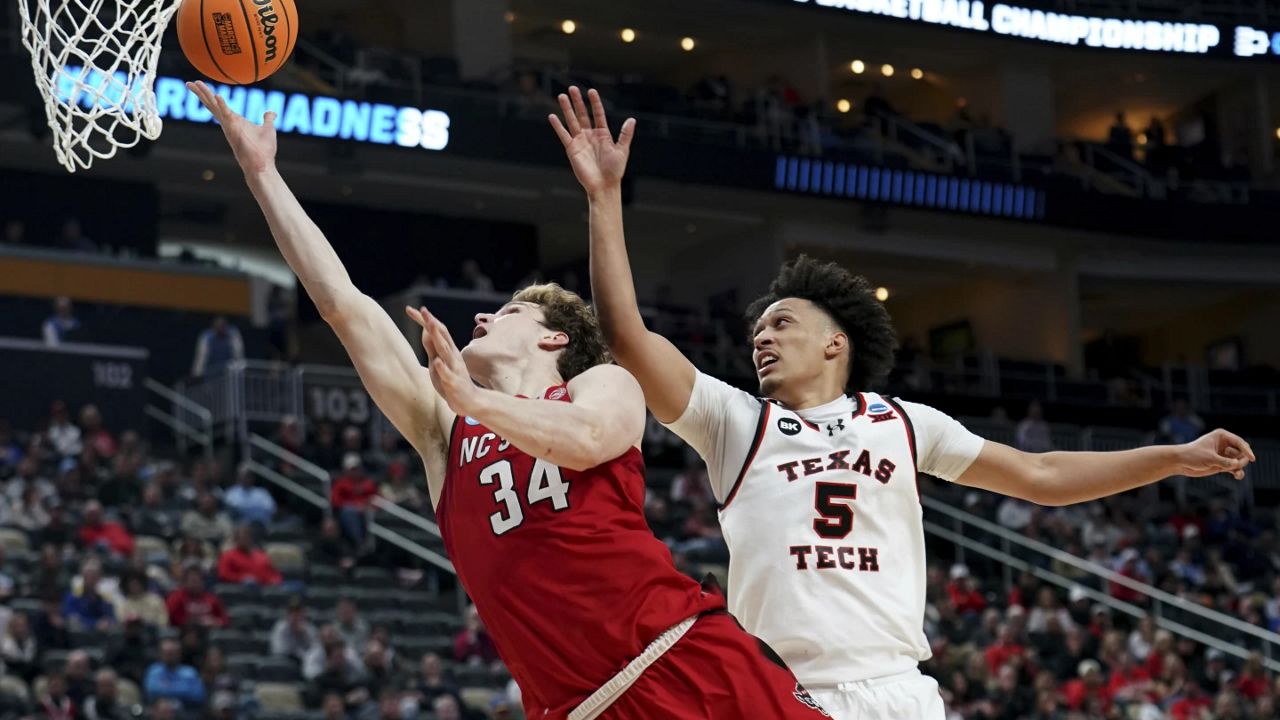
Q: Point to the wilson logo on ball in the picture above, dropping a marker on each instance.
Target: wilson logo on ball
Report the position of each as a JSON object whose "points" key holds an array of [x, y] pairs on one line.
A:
{"points": [[269, 19]]}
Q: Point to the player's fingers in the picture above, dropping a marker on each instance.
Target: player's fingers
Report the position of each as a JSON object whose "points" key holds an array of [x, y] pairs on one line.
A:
{"points": [[414, 315], [597, 109], [627, 134], [202, 91], [269, 120], [580, 107], [561, 132], [570, 118]]}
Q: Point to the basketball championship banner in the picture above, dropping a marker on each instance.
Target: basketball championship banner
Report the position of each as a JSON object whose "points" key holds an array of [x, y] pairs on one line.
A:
{"points": [[1028, 22]]}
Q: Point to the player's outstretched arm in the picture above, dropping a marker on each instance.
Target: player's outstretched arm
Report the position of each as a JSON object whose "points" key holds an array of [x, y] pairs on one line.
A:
{"points": [[382, 356], [1065, 478], [604, 420], [599, 163]]}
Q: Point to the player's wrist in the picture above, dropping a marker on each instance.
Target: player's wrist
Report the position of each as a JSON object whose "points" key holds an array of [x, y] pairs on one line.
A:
{"points": [[605, 193]]}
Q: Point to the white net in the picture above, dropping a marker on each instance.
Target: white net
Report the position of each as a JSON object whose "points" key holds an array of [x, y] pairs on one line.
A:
{"points": [[95, 65]]}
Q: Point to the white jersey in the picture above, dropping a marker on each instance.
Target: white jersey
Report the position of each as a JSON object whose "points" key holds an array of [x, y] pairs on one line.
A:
{"points": [[821, 512]]}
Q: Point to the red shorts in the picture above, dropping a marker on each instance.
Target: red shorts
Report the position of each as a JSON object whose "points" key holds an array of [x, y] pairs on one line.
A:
{"points": [[717, 671]]}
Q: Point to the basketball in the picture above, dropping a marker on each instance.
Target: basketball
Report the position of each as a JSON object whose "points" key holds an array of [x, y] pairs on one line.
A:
{"points": [[238, 41]]}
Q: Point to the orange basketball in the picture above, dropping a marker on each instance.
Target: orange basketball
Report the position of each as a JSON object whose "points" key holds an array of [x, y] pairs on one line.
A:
{"points": [[237, 41]]}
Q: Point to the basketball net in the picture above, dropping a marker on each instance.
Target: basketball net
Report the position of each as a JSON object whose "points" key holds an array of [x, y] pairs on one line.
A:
{"points": [[95, 66]]}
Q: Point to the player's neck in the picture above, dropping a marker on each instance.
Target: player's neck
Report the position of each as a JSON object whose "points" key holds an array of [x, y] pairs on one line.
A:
{"points": [[528, 380], [805, 398]]}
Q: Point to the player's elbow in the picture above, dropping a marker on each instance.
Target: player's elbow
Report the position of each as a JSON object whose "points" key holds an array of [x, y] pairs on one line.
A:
{"points": [[1041, 483]]}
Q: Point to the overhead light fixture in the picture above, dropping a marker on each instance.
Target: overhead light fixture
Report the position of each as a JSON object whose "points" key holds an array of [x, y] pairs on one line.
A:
{"points": [[844, 105], [687, 44], [882, 294], [569, 27], [628, 35], [858, 67], [917, 74], [509, 16], [887, 70]]}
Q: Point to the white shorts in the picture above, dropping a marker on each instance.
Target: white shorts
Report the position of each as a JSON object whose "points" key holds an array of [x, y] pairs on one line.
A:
{"points": [[906, 696]]}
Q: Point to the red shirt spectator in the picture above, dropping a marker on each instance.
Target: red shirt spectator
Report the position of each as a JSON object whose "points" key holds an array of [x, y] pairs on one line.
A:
{"points": [[96, 531], [1192, 706], [964, 596], [1003, 650], [193, 604], [354, 490], [1250, 685], [474, 643], [1088, 686], [1128, 681], [244, 562], [1131, 569]]}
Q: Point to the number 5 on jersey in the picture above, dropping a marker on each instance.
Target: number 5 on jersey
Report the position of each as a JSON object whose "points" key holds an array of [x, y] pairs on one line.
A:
{"points": [[545, 484]]}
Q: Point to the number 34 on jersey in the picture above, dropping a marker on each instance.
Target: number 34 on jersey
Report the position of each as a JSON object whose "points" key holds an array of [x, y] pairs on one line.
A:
{"points": [[546, 484]]}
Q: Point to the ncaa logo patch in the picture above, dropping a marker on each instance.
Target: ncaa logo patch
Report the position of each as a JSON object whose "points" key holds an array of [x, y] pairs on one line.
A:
{"points": [[789, 426], [878, 409], [470, 420], [557, 393], [808, 700]]}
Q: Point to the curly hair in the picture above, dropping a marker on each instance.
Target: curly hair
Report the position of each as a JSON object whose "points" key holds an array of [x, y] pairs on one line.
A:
{"points": [[851, 302], [565, 311]]}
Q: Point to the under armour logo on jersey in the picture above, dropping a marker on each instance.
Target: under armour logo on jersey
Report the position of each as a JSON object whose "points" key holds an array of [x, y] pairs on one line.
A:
{"points": [[833, 427]]}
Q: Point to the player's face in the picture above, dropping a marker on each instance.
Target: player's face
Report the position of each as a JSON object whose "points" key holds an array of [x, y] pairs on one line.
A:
{"points": [[509, 334], [791, 341]]}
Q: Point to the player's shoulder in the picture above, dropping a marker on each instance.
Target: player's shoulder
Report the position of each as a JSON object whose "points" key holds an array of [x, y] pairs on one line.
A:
{"points": [[607, 375]]}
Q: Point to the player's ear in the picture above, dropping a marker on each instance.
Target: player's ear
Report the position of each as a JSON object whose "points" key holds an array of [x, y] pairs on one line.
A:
{"points": [[837, 343], [553, 340]]}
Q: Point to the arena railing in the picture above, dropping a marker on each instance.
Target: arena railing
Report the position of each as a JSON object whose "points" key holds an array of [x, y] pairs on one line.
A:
{"points": [[259, 452], [189, 421], [1178, 615]]}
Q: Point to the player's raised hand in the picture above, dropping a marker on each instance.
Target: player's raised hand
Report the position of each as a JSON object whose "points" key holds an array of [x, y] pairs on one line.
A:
{"points": [[254, 145], [598, 162], [449, 372], [1217, 452]]}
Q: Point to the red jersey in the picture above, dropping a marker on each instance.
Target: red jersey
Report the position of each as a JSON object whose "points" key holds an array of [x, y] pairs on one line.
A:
{"points": [[561, 564]]}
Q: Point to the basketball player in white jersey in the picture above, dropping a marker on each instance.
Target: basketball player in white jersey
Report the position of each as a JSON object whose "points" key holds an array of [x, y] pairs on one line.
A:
{"points": [[817, 480]]}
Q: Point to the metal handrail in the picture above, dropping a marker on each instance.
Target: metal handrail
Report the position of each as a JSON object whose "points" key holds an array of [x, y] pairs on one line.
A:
{"points": [[412, 518], [178, 399], [1096, 596], [1105, 573], [182, 431], [303, 464]]}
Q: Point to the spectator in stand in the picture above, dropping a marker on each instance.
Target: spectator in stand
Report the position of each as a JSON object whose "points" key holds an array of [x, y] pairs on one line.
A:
{"points": [[332, 707], [340, 674], [1253, 682], [19, 653], [399, 490], [217, 347], [137, 601], [6, 581], [49, 626], [54, 703], [97, 533], [154, 518], [353, 629], [193, 604], [94, 435], [169, 679], [473, 645], [27, 479], [74, 239], [1048, 607], [62, 326], [351, 496], [692, 484], [1120, 137], [379, 673], [78, 674], [63, 435], [190, 551], [1033, 433], [324, 449], [293, 636], [475, 279], [1129, 682], [1086, 687], [130, 652], [447, 708], [105, 704], [207, 522], [89, 610], [434, 681], [964, 594], [1130, 565], [164, 710], [249, 503], [314, 663], [333, 548], [1005, 650], [246, 563], [1181, 425]]}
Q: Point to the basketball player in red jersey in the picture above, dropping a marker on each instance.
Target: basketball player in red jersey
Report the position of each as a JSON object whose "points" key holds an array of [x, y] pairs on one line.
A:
{"points": [[531, 444]]}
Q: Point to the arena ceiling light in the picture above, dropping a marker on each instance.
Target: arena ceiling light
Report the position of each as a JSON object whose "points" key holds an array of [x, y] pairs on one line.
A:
{"points": [[569, 27], [858, 67], [628, 35], [886, 70], [917, 73], [844, 105], [687, 44], [882, 294]]}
